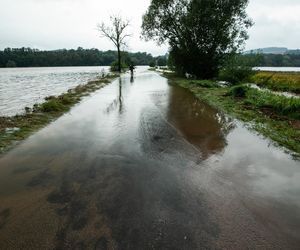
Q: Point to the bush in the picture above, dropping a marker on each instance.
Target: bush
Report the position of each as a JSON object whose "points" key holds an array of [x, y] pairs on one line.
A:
{"points": [[114, 67], [235, 75], [239, 91], [152, 64], [205, 83], [238, 69]]}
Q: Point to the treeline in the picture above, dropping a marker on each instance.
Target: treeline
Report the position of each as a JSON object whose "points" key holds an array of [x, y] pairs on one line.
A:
{"points": [[27, 57], [275, 60]]}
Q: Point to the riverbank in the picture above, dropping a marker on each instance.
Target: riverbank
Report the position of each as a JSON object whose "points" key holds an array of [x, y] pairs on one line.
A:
{"points": [[17, 128], [275, 117]]}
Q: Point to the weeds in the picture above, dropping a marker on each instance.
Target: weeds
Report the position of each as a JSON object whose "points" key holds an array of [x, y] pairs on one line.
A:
{"points": [[279, 105]]}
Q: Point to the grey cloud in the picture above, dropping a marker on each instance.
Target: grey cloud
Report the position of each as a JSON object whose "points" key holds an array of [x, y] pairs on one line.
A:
{"points": [[52, 24]]}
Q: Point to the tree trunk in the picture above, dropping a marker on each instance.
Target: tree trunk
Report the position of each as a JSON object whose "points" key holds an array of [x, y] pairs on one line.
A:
{"points": [[119, 59]]}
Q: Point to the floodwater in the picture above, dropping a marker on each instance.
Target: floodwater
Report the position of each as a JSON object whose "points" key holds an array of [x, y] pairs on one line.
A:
{"points": [[142, 164], [279, 69], [23, 87]]}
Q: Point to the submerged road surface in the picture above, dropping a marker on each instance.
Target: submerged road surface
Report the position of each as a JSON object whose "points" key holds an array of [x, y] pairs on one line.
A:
{"points": [[142, 164]]}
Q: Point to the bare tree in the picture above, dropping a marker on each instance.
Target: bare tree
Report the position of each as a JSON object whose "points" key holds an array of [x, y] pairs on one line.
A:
{"points": [[116, 33]]}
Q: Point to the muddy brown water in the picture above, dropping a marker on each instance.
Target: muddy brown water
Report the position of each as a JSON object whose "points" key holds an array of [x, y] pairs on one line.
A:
{"points": [[143, 164]]}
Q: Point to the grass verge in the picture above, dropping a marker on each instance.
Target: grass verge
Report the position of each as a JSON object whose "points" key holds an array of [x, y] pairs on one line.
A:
{"points": [[278, 81], [275, 117], [19, 127]]}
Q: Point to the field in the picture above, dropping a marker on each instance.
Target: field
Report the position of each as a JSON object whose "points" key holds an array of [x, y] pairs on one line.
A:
{"points": [[278, 81]]}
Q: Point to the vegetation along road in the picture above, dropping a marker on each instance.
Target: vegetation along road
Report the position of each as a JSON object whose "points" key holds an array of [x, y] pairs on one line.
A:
{"points": [[143, 164]]}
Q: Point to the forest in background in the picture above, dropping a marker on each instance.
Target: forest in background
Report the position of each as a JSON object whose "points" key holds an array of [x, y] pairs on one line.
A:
{"points": [[28, 57], [275, 60]]}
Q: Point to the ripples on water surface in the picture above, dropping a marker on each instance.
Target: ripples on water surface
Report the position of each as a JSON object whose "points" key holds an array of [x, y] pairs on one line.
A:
{"points": [[23, 87]]}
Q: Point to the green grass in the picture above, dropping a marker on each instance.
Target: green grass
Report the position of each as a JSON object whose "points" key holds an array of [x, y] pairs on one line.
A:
{"points": [[278, 81], [275, 117], [277, 104], [41, 114]]}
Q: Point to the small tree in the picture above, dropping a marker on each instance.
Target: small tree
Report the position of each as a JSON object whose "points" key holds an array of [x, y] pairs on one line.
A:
{"points": [[115, 33]]}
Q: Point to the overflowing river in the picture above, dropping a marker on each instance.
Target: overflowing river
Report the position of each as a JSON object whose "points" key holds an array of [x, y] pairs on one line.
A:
{"points": [[23, 87], [143, 164], [279, 69]]}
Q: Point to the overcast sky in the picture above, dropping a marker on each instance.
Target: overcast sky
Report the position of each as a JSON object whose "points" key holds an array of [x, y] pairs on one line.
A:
{"points": [[54, 24]]}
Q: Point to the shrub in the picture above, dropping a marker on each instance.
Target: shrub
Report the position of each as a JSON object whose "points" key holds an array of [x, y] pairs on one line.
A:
{"points": [[235, 75], [205, 83], [114, 67], [237, 69], [239, 91], [152, 64]]}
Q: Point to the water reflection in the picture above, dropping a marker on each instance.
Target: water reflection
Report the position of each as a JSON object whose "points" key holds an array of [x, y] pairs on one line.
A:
{"points": [[118, 102], [120, 96], [200, 124], [132, 78]]}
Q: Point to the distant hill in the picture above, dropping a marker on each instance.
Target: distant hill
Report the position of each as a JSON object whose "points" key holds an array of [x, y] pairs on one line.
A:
{"points": [[274, 51]]}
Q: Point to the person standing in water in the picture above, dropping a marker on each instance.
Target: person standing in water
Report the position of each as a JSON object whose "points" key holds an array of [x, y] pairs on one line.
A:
{"points": [[131, 68]]}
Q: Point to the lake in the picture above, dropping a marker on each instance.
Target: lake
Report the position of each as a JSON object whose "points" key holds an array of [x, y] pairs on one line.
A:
{"points": [[23, 87]]}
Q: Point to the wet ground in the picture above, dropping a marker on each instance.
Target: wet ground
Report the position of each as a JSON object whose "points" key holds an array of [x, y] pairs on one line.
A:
{"points": [[143, 164]]}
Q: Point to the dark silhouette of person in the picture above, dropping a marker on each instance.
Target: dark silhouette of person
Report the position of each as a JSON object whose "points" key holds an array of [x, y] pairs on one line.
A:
{"points": [[131, 68]]}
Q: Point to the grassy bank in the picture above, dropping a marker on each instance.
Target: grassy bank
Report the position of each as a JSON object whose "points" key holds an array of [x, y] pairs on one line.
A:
{"points": [[16, 128], [276, 117], [278, 81]]}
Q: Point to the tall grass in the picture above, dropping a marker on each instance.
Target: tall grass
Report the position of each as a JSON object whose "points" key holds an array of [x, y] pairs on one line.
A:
{"points": [[280, 105]]}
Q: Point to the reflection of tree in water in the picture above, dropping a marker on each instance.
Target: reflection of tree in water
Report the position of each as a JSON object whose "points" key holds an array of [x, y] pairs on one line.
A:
{"points": [[131, 79], [200, 124], [118, 102]]}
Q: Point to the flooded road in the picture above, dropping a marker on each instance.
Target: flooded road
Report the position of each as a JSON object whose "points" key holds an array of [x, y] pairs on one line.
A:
{"points": [[142, 164]]}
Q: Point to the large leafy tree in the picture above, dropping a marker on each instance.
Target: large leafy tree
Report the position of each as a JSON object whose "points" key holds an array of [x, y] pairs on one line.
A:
{"points": [[200, 32]]}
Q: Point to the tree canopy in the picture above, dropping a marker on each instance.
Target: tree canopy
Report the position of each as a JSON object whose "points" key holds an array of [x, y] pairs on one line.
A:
{"points": [[200, 32]]}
